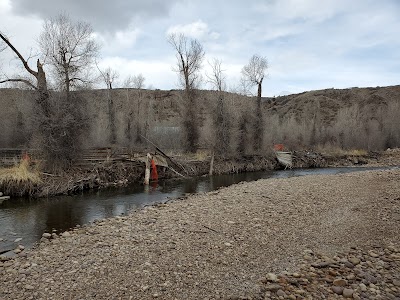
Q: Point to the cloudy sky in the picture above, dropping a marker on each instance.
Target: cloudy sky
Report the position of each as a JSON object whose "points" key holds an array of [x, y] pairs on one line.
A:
{"points": [[309, 44]]}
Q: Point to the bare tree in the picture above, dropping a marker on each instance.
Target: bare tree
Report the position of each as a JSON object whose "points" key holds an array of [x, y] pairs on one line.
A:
{"points": [[135, 82], [69, 48], [221, 118], [217, 78], [254, 73], [189, 54], [109, 76], [138, 81]]}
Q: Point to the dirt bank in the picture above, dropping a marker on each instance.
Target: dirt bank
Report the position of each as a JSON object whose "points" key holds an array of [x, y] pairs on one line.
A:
{"points": [[216, 245]]}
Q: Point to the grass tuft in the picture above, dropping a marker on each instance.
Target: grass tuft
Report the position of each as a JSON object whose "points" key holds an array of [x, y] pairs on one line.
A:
{"points": [[19, 180]]}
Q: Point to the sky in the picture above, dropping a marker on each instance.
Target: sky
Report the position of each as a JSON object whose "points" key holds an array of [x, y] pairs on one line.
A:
{"points": [[309, 44]]}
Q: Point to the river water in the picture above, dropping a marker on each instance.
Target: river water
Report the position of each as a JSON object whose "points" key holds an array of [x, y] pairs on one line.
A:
{"points": [[23, 221]]}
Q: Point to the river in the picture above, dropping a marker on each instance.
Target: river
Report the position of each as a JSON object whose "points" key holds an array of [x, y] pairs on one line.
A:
{"points": [[23, 221]]}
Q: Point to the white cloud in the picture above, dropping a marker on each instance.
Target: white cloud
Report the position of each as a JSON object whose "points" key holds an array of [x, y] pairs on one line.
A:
{"points": [[155, 71], [198, 30], [309, 44], [119, 42]]}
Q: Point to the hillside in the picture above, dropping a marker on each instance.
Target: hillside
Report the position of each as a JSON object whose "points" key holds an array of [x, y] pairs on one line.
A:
{"points": [[337, 117], [331, 101]]}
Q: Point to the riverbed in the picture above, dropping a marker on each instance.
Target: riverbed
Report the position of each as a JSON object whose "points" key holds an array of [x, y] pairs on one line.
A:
{"points": [[23, 221], [222, 244]]}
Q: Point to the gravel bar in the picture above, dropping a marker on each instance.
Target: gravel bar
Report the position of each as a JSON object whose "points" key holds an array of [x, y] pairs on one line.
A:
{"points": [[229, 244]]}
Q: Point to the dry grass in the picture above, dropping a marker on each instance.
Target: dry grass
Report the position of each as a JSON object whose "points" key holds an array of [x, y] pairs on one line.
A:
{"points": [[20, 179], [338, 152]]}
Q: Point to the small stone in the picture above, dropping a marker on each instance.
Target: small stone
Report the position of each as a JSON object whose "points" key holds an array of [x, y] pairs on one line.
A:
{"points": [[363, 287], [272, 277], [396, 282], [349, 264], [338, 289], [370, 279], [373, 254], [272, 287], [322, 264], [281, 293], [66, 234], [21, 247], [354, 260], [348, 293], [18, 240], [29, 287], [340, 282], [228, 244], [46, 235]]}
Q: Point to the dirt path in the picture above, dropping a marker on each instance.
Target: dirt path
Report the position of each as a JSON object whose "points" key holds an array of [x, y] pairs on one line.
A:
{"points": [[214, 245]]}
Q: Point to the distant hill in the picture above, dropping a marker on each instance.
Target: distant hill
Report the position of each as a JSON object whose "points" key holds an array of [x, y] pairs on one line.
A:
{"points": [[349, 118]]}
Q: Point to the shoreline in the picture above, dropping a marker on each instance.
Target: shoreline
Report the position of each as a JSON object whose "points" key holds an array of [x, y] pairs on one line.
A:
{"points": [[118, 174], [223, 241]]}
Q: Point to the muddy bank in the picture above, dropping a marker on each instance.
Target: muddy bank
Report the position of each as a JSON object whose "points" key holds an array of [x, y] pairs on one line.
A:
{"points": [[121, 173], [220, 245]]}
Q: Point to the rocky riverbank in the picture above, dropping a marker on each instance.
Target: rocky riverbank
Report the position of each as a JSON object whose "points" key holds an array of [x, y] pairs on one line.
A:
{"points": [[323, 235]]}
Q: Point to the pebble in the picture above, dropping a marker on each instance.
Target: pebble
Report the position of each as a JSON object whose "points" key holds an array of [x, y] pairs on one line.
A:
{"points": [[281, 293], [272, 287], [337, 289], [66, 234], [272, 277], [354, 260], [348, 293], [363, 287], [46, 235], [340, 282]]}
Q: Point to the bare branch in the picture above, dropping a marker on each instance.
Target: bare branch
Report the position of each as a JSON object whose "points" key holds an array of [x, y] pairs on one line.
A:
{"points": [[70, 48], [136, 82], [217, 78], [189, 54], [254, 71], [21, 58], [108, 76], [27, 82]]}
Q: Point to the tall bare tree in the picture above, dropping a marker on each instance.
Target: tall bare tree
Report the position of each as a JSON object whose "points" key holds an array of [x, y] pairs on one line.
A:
{"points": [[70, 48], [135, 82], [254, 73], [190, 55], [222, 122], [109, 76]]}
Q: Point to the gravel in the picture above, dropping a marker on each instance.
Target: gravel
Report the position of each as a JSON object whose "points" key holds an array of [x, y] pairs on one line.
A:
{"points": [[289, 238]]}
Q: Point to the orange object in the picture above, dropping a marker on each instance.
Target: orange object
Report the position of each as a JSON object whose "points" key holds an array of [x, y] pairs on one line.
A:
{"points": [[154, 174], [26, 156], [279, 147]]}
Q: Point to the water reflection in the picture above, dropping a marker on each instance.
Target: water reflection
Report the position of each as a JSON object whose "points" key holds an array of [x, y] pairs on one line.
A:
{"points": [[28, 219]]}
